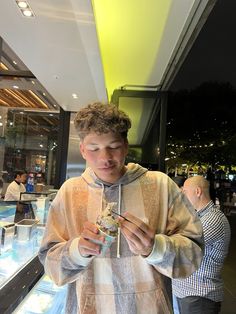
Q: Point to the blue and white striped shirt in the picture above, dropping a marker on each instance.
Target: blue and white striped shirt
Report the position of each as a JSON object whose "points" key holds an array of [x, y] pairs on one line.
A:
{"points": [[207, 281]]}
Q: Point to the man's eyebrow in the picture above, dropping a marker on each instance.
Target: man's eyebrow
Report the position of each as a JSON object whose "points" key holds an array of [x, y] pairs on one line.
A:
{"points": [[115, 141]]}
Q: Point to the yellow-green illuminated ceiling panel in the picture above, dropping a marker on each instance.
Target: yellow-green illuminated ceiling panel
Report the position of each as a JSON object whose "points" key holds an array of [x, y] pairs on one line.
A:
{"points": [[130, 33]]}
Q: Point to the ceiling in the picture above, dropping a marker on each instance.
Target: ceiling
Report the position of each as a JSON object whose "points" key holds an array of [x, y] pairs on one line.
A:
{"points": [[19, 88], [136, 44], [72, 52]]}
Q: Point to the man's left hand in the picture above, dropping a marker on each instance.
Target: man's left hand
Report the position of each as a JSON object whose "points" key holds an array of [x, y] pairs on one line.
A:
{"points": [[140, 236]]}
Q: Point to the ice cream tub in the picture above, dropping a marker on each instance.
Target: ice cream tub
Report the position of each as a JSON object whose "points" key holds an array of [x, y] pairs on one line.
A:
{"points": [[108, 226], [7, 232], [25, 229], [108, 242]]}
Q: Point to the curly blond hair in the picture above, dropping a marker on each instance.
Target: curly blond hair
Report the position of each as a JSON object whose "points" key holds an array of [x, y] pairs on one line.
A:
{"points": [[101, 118]]}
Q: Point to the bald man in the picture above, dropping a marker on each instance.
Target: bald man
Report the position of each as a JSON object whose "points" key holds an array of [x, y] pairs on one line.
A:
{"points": [[202, 292]]}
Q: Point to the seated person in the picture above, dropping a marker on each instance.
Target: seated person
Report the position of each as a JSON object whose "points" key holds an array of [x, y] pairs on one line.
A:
{"points": [[16, 187]]}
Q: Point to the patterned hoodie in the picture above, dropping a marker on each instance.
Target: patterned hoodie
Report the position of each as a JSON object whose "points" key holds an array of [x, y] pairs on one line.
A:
{"points": [[121, 282]]}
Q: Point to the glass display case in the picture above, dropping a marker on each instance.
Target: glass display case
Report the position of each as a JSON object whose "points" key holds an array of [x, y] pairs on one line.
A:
{"points": [[45, 297], [14, 258], [21, 281]]}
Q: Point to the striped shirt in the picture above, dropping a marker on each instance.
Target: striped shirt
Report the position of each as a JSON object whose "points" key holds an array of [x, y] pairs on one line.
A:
{"points": [[207, 281]]}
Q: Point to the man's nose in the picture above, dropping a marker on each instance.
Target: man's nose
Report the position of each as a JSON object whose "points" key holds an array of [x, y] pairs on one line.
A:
{"points": [[105, 154]]}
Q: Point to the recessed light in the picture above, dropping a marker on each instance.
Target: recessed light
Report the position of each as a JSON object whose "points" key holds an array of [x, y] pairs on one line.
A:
{"points": [[14, 62], [33, 82], [27, 13], [15, 86], [74, 96], [44, 94], [22, 4], [25, 8]]}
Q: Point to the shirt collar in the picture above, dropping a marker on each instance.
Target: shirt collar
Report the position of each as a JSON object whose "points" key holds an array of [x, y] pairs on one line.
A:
{"points": [[205, 209]]}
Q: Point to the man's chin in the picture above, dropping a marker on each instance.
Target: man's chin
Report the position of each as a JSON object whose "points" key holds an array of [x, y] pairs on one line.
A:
{"points": [[108, 176]]}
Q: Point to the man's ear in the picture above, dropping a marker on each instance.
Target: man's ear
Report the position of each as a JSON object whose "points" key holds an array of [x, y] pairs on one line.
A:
{"points": [[198, 191], [81, 148]]}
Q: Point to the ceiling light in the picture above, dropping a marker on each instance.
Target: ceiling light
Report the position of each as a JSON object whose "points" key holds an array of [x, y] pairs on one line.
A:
{"points": [[22, 4], [3, 66], [74, 96], [32, 82], [25, 8], [15, 86], [14, 62], [27, 13]]}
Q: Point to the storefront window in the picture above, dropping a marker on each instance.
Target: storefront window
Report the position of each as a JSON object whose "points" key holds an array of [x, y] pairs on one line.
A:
{"points": [[28, 141]]}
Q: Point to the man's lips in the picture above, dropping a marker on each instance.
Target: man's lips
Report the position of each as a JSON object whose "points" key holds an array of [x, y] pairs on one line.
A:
{"points": [[106, 168]]}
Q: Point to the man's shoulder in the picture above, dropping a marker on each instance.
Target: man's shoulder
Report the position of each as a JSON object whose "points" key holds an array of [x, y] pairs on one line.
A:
{"points": [[214, 217], [12, 185], [72, 183], [157, 175]]}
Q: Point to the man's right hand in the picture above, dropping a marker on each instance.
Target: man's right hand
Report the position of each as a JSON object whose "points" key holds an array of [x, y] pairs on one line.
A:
{"points": [[90, 240]]}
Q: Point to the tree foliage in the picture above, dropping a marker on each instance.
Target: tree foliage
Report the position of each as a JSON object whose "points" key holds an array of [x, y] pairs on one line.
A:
{"points": [[203, 122]]}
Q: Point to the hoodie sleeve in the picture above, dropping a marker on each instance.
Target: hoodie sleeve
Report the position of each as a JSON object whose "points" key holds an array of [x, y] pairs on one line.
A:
{"points": [[177, 252], [59, 251]]}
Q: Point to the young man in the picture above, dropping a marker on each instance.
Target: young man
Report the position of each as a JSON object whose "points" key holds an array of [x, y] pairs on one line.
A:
{"points": [[202, 292], [162, 236], [16, 187]]}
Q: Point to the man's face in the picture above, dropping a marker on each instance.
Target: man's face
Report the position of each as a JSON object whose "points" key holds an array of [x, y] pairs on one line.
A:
{"points": [[21, 178], [190, 191], [105, 154]]}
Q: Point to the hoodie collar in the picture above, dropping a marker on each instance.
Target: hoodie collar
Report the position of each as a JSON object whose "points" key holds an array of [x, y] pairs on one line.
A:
{"points": [[132, 173]]}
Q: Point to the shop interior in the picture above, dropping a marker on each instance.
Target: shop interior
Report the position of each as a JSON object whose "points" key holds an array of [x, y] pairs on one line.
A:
{"points": [[52, 63]]}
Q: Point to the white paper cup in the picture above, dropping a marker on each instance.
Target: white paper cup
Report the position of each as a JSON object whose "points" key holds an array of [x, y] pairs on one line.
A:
{"points": [[108, 242]]}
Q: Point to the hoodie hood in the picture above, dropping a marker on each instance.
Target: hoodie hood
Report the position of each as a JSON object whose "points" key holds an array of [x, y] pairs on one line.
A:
{"points": [[133, 172]]}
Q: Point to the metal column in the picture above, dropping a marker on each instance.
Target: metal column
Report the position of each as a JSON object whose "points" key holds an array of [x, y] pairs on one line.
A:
{"points": [[162, 130], [62, 148]]}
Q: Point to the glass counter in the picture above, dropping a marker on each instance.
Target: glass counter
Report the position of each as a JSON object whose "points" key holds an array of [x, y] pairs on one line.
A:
{"points": [[23, 286], [45, 297], [22, 252]]}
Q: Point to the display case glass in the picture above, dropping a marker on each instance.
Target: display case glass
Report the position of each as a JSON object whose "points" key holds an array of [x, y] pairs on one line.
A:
{"points": [[45, 297], [14, 259], [20, 269]]}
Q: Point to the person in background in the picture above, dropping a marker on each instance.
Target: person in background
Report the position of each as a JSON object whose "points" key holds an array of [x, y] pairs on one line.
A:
{"points": [[160, 235], [202, 292], [15, 188], [179, 180]]}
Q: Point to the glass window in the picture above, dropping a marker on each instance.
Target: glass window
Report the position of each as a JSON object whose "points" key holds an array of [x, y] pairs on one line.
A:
{"points": [[28, 141]]}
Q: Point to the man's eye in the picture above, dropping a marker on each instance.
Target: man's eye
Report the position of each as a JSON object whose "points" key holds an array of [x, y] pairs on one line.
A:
{"points": [[114, 147]]}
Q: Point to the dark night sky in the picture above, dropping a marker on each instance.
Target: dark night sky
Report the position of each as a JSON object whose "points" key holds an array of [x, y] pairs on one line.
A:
{"points": [[213, 55]]}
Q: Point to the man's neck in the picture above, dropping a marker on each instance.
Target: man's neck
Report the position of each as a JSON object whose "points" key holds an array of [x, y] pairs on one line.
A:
{"points": [[202, 204]]}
